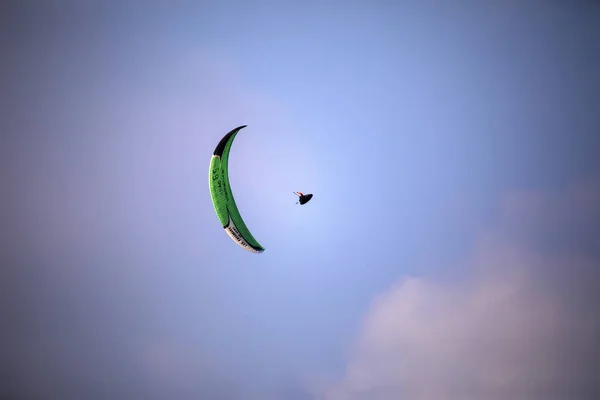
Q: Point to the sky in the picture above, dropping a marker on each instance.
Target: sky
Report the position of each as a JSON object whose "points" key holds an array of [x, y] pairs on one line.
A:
{"points": [[451, 250]]}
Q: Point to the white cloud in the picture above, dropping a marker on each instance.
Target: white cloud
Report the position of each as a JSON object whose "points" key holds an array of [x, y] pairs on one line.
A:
{"points": [[515, 328]]}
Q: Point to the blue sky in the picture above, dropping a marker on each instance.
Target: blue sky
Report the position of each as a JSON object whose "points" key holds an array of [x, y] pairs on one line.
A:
{"points": [[452, 150]]}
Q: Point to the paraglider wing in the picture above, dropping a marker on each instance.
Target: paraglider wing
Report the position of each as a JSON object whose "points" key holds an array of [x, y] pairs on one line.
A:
{"points": [[222, 196]]}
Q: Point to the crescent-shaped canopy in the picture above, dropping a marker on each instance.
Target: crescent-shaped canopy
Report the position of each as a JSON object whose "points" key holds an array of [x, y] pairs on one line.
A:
{"points": [[222, 196]]}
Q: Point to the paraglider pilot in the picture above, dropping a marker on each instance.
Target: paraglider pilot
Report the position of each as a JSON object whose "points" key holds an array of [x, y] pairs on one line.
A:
{"points": [[304, 198]]}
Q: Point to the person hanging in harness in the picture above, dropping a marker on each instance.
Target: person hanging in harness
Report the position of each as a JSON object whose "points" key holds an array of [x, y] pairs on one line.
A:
{"points": [[303, 198]]}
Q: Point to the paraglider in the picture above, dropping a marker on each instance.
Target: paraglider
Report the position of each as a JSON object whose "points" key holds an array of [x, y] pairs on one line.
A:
{"points": [[222, 196], [303, 198]]}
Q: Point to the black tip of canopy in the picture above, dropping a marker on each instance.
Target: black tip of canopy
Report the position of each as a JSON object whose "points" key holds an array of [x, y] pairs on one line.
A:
{"points": [[221, 146]]}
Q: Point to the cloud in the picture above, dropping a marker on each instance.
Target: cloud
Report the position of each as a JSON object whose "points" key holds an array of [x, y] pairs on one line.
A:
{"points": [[522, 324]]}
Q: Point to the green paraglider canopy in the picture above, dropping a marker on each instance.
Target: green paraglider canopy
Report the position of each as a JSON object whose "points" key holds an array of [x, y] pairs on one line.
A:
{"points": [[222, 196]]}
